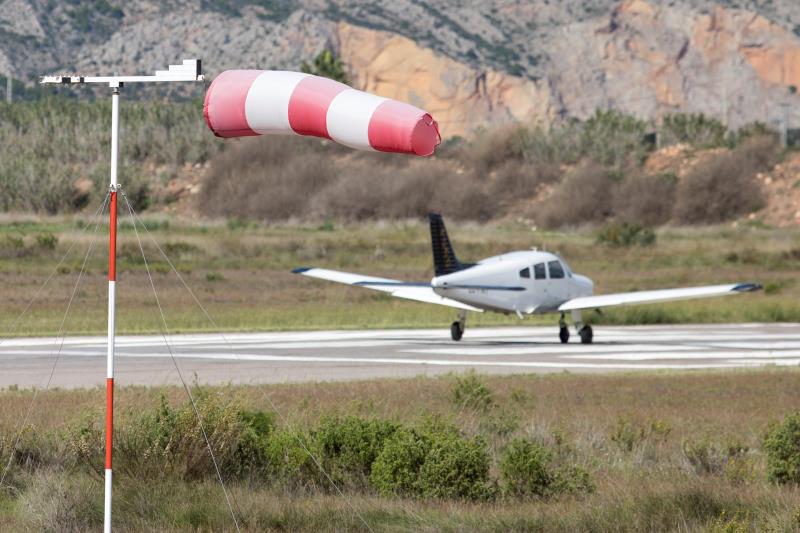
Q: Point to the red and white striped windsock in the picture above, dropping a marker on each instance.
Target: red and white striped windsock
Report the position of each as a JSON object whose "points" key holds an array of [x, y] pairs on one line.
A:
{"points": [[259, 102]]}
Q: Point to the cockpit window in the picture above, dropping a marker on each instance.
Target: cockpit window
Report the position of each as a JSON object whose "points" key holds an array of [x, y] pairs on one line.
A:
{"points": [[556, 270], [525, 273], [539, 272]]}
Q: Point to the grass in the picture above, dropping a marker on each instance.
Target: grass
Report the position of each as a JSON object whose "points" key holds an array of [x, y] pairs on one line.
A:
{"points": [[241, 272], [649, 485]]}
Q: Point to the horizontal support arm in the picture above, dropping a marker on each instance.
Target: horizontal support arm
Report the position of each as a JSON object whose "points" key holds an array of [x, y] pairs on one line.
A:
{"points": [[189, 70]]}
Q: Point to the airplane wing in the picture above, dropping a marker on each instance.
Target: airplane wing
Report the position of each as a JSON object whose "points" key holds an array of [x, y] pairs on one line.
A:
{"points": [[665, 295], [419, 291]]}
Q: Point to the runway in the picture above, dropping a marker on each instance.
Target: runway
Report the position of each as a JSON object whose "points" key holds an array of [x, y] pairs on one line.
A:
{"points": [[349, 355]]}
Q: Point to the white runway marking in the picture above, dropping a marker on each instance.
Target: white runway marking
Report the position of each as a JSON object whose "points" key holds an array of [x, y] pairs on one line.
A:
{"points": [[341, 355]]}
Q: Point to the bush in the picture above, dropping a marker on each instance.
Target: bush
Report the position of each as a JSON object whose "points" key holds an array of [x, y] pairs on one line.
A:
{"points": [[584, 196], [695, 129], [455, 467], [525, 469], [436, 462], [289, 461], [628, 434], [528, 468], [470, 392], [268, 178], [350, 446], [709, 458], [626, 235], [647, 200], [724, 186], [169, 441], [396, 469], [615, 139], [782, 448]]}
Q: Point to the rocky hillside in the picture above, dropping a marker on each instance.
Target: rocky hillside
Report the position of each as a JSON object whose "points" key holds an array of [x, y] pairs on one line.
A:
{"points": [[469, 62]]}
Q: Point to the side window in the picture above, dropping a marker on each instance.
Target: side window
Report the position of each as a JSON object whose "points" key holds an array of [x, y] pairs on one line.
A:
{"points": [[556, 270], [539, 272], [525, 273]]}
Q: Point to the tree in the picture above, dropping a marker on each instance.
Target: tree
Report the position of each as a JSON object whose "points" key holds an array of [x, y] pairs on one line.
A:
{"points": [[328, 65]]}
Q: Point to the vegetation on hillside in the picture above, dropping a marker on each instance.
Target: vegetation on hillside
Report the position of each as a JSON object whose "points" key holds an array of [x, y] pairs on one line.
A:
{"points": [[54, 152], [328, 65], [577, 173], [702, 451], [53, 159]]}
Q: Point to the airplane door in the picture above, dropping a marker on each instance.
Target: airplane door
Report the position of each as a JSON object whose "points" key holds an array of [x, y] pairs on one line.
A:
{"points": [[557, 284], [541, 284]]}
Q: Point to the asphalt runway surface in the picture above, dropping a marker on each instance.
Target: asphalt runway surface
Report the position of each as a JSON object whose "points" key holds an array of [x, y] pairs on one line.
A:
{"points": [[348, 355]]}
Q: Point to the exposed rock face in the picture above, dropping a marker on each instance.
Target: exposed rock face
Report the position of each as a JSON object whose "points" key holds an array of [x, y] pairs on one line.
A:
{"points": [[470, 63], [458, 96], [650, 60]]}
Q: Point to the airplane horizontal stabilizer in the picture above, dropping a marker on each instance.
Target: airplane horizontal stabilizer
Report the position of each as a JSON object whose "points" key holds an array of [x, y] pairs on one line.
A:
{"points": [[418, 291]]}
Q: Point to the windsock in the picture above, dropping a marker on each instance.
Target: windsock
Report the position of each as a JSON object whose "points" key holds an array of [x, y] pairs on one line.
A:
{"points": [[261, 102]]}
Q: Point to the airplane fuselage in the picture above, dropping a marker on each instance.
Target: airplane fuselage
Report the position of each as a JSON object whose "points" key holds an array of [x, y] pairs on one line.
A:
{"points": [[526, 282]]}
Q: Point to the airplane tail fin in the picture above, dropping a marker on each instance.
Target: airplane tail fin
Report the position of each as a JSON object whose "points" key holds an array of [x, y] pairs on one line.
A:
{"points": [[444, 258]]}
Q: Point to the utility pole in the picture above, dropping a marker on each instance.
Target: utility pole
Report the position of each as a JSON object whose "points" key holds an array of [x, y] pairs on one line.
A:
{"points": [[189, 70]]}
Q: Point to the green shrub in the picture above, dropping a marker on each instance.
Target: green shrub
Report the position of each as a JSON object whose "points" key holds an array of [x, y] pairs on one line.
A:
{"points": [[168, 441], [707, 457], [350, 445], [251, 451], [290, 461], [471, 393], [434, 462], [528, 468], [455, 467], [525, 469], [626, 234], [782, 448], [628, 433], [46, 241], [695, 129], [614, 139], [396, 469]]}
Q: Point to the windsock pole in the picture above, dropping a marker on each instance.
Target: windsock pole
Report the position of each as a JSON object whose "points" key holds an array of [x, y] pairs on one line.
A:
{"points": [[189, 70], [112, 279]]}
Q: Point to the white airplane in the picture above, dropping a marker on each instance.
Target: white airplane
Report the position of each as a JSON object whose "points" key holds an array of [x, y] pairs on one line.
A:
{"points": [[524, 283]]}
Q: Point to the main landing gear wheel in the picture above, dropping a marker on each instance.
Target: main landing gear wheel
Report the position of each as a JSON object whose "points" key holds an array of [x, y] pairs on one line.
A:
{"points": [[586, 334], [456, 331]]}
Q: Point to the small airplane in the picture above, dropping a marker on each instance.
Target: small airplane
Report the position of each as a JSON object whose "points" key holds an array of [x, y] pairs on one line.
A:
{"points": [[523, 282]]}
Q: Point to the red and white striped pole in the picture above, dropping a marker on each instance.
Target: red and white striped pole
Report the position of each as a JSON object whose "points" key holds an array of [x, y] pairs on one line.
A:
{"points": [[112, 279], [189, 70]]}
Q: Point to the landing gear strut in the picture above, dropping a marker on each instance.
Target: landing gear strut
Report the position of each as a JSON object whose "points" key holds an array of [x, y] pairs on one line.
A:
{"points": [[563, 331], [457, 328]]}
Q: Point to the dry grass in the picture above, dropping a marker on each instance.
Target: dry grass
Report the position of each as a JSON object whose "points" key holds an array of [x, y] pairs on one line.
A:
{"points": [[649, 486], [242, 274]]}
